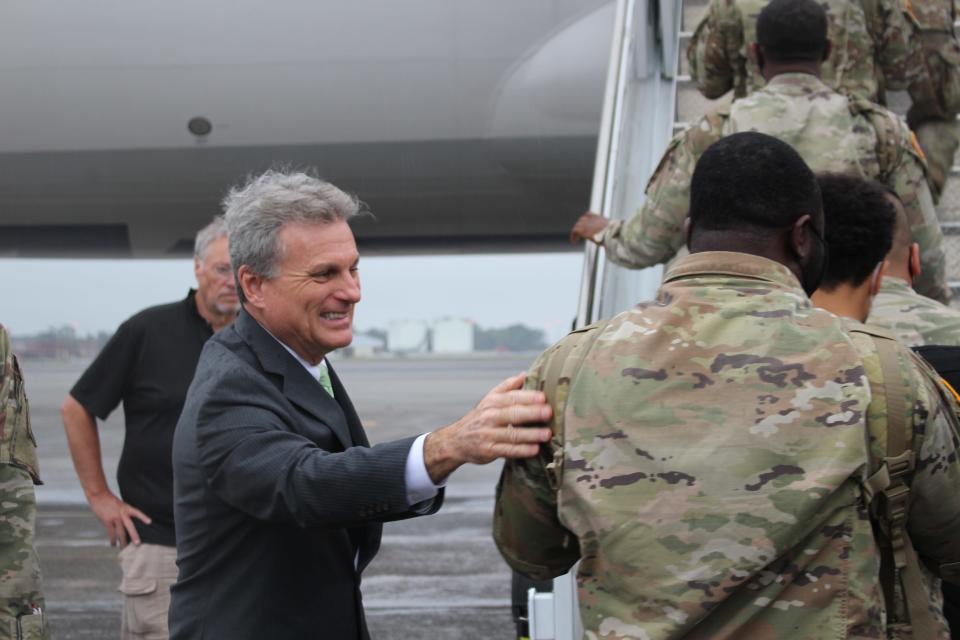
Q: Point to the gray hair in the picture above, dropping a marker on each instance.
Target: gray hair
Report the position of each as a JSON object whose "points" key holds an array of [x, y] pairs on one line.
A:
{"points": [[205, 237], [256, 211]]}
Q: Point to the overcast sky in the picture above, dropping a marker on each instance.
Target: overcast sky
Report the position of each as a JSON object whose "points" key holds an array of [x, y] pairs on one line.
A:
{"points": [[539, 290]]}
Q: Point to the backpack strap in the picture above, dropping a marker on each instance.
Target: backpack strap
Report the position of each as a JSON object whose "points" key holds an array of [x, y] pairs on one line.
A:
{"points": [[892, 136], [559, 371], [888, 493]]}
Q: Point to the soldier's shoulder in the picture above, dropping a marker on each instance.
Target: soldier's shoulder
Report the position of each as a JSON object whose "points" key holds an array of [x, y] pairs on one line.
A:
{"points": [[892, 132], [705, 131], [865, 338], [569, 346], [575, 338], [878, 116]]}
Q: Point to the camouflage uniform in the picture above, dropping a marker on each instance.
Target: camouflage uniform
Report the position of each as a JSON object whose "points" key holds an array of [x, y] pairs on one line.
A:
{"points": [[932, 522], [707, 468], [21, 599], [915, 320], [935, 96], [830, 132], [872, 48]]}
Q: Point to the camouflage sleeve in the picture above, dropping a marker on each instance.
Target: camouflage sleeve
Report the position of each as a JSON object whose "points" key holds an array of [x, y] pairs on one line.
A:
{"points": [[713, 53], [895, 35], [6, 368], [934, 519], [907, 177], [526, 527], [654, 233]]}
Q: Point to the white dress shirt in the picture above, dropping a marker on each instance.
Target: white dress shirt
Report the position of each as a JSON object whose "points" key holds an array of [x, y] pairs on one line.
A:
{"points": [[417, 481]]}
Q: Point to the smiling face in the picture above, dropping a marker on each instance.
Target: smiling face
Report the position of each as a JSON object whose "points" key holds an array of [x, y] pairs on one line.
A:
{"points": [[309, 304]]}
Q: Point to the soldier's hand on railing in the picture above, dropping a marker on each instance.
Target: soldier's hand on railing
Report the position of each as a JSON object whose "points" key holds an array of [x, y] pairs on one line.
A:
{"points": [[588, 226]]}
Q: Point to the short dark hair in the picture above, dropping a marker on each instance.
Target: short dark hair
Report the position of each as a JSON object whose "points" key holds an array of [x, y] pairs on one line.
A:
{"points": [[793, 30], [751, 182], [859, 221]]}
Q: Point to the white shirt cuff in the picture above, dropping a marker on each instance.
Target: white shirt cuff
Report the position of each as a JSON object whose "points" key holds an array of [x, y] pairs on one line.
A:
{"points": [[419, 485]]}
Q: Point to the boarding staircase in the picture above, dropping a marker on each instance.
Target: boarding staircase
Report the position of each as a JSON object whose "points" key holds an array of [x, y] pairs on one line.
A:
{"points": [[691, 105], [649, 97]]}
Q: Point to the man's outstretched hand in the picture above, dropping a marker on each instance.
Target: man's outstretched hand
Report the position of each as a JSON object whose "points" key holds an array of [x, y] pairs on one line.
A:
{"points": [[589, 225], [493, 429]]}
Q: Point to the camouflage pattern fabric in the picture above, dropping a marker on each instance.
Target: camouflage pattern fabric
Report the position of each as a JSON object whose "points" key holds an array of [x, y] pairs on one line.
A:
{"points": [[831, 133], [935, 96], [712, 449], [914, 319], [21, 599], [17, 443], [874, 48], [934, 517]]}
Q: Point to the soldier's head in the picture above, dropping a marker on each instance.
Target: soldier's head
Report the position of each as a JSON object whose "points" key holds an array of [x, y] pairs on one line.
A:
{"points": [[903, 261], [791, 37], [216, 297], [860, 220], [752, 193]]}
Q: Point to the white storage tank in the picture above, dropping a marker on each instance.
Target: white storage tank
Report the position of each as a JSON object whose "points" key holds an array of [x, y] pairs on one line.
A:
{"points": [[408, 336], [453, 335]]}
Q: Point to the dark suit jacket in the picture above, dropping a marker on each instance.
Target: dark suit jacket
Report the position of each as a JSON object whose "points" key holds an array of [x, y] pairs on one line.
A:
{"points": [[277, 494]]}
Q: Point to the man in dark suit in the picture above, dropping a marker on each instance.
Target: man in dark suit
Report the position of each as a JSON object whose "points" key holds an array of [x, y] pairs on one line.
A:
{"points": [[278, 495]]}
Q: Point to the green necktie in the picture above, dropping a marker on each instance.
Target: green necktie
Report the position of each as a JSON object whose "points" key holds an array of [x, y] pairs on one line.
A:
{"points": [[325, 380]]}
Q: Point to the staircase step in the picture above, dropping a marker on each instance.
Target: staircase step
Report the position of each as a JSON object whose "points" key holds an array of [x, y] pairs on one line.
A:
{"points": [[691, 104], [693, 10]]}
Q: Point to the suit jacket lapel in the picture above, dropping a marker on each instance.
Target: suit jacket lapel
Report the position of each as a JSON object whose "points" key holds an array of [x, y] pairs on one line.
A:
{"points": [[298, 386]]}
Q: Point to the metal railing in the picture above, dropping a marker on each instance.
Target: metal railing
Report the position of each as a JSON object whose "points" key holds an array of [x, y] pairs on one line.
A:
{"points": [[606, 152]]}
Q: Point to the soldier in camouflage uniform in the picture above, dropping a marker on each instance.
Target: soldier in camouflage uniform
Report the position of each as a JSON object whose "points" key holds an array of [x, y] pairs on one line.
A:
{"points": [[874, 48], [860, 221], [21, 598], [708, 450], [914, 319], [935, 96], [831, 132]]}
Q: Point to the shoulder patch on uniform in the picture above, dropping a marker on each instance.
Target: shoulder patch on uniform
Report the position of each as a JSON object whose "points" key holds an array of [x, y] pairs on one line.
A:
{"points": [[908, 9], [916, 146]]}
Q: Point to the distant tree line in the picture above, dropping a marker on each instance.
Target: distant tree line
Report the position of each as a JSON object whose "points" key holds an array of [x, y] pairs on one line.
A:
{"points": [[59, 343]]}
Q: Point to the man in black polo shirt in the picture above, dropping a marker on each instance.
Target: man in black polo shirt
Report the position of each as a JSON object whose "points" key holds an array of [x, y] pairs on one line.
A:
{"points": [[148, 365]]}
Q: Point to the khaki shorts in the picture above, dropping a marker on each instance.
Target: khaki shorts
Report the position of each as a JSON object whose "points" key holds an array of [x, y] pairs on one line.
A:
{"points": [[149, 570]]}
